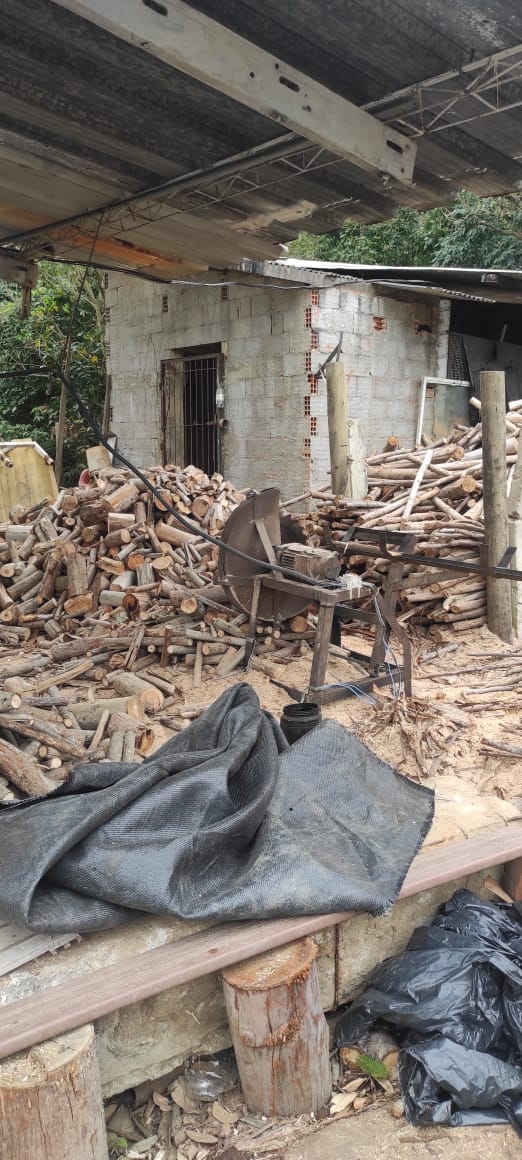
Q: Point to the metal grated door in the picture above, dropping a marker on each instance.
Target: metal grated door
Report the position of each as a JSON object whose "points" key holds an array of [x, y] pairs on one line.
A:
{"points": [[189, 416]]}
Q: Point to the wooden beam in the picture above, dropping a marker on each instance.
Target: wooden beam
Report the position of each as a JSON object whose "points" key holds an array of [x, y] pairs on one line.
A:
{"points": [[206, 50], [80, 999]]}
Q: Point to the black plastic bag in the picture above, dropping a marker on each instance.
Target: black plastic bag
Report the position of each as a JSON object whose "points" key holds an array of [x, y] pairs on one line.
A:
{"points": [[445, 1083], [454, 1001]]}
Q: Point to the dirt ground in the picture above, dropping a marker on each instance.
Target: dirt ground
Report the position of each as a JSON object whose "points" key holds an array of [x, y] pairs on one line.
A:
{"points": [[162, 1130], [376, 1136], [464, 698]]}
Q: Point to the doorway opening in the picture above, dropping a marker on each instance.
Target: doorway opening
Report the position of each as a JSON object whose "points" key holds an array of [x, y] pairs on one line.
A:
{"points": [[190, 428]]}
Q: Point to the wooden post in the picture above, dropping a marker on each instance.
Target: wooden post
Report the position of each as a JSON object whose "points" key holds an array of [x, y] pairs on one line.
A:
{"points": [[337, 426], [60, 435], [513, 879], [492, 397], [50, 1101], [357, 477], [60, 426], [515, 538], [279, 1032]]}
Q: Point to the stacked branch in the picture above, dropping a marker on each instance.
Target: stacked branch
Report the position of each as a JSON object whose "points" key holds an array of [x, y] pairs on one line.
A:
{"points": [[434, 492]]}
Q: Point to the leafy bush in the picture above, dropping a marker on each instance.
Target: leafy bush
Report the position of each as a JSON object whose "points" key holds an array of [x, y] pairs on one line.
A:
{"points": [[29, 406], [471, 231]]}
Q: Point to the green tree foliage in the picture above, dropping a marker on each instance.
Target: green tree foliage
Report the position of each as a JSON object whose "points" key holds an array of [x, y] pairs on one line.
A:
{"points": [[29, 407], [472, 231]]}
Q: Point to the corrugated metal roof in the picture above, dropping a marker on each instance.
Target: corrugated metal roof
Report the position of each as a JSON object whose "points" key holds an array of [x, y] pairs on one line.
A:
{"points": [[86, 119], [480, 285]]}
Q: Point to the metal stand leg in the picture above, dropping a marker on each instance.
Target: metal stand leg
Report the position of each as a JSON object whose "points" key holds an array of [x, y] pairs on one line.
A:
{"points": [[251, 638]]}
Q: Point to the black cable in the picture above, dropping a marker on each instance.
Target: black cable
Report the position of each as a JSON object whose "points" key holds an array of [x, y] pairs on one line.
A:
{"points": [[265, 565]]}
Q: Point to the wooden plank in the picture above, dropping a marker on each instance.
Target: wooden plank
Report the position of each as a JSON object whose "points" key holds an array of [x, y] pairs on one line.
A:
{"points": [[81, 1000], [19, 946]]}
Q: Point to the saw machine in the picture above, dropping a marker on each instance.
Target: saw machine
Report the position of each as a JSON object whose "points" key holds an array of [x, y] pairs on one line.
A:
{"points": [[299, 576]]}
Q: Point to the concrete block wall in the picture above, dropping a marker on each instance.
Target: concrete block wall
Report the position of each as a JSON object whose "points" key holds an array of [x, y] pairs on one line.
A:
{"points": [[274, 341], [386, 354], [264, 336]]}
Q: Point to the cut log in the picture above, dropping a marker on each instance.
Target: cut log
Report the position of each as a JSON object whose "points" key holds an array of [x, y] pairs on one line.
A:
{"points": [[117, 539], [464, 486], [48, 732], [23, 771], [173, 535], [131, 685], [79, 605], [89, 713], [52, 568], [123, 498], [76, 575], [118, 520], [190, 606], [299, 624], [279, 1032], [230, 660], [50, 1101], [115, 748], [5, 599]]}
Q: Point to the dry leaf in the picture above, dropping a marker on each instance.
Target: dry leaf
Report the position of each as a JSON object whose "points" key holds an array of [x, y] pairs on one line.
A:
{"points": [[224, 1115], [143, 1146], [354, 1084], [201, 1137], [359, 1103], [341, 1101], [183, 1098], [161, 1102], [397, 1110]]}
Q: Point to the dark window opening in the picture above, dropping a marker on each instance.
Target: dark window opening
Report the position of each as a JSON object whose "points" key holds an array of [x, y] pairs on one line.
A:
{"points": [[191, 434]]}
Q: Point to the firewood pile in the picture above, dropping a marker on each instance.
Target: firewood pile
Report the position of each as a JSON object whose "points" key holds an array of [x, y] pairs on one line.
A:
{"points": [[104, 598], [435, 492]]}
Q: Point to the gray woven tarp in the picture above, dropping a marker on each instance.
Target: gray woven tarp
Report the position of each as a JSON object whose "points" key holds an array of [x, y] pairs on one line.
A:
{"points": [[225, 822]]}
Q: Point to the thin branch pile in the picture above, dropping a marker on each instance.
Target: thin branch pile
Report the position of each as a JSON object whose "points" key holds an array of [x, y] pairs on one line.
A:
{"points": [[436, 493]]}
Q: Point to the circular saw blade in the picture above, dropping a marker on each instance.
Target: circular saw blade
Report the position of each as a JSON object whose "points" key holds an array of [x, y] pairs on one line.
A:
{"points": [[240, 531]]}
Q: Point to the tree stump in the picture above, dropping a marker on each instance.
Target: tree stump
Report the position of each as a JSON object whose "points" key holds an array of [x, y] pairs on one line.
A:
{"points": [[279, 1032], [50, 1101]]}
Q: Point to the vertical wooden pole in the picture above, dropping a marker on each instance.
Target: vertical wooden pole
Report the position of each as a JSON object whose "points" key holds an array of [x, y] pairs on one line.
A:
{"points": [[337, 426], [60, 432], [515, 539], [60, 426], [279, 1032], [493, 399]]}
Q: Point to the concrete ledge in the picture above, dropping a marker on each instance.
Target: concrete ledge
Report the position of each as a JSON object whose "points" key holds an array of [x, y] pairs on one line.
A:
{"points": [[153, 987]]}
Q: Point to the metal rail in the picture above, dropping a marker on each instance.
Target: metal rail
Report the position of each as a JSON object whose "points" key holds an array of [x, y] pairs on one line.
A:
{"points": [[377, 545]]}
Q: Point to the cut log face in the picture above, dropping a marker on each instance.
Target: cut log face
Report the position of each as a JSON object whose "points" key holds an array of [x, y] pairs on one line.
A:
{"points": [[50, 1102], [279, 1032]]}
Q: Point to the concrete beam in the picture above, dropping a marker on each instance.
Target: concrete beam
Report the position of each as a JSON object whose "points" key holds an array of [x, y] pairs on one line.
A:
{"points": [[15, 268], [204, 49]]}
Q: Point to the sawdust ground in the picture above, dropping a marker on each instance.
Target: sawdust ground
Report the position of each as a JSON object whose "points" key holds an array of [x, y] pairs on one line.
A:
{"points": [[440, 730]]}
